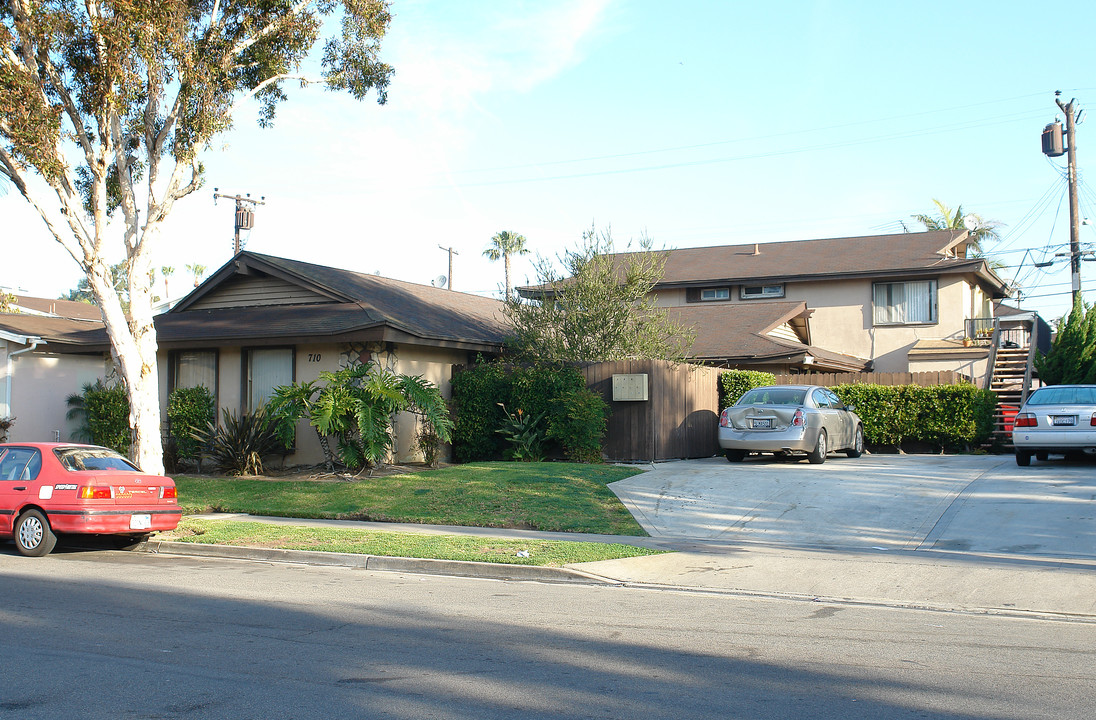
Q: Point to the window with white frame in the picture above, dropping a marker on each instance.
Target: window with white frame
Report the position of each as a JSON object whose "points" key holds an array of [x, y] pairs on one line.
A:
{"points": [[267, 368], [721, 293], [905, 303], [750, 292]]}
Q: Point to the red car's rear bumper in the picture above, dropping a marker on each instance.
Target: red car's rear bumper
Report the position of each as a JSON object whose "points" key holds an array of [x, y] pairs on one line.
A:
{"points": [[129, 520]]}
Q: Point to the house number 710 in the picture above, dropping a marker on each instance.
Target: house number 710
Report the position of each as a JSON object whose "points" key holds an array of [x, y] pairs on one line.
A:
{"points": [[313, 357]]}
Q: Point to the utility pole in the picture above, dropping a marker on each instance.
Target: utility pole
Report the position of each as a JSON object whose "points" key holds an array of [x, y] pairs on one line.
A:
{"points": [[245, 217], [451, 252], [1052, 147]]}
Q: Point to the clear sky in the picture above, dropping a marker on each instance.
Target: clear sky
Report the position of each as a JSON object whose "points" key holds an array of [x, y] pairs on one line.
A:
{"points": [[697, 123]]}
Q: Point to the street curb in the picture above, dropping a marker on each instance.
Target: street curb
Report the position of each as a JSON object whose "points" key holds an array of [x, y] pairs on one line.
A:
{"points": [[428, 566]]}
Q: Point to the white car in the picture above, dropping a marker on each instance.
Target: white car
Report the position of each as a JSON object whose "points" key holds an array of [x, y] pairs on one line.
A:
{"points": [[1055, 419], [790, 420]]}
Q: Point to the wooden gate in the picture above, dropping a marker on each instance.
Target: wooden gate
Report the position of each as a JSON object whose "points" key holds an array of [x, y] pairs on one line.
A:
{"points": [[680, 418]]}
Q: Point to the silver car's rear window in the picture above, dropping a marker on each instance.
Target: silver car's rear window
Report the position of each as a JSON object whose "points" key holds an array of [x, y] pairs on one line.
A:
{"points": [[1063, 396], [86, 458], [773, 396]]}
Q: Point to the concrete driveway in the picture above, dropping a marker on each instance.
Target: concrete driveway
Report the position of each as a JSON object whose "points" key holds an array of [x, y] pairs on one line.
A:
{"points": [[981, 504]]}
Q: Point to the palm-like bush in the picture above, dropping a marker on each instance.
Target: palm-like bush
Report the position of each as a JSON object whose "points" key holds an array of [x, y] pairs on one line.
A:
{"points": [[355, 406], [240, 444]]}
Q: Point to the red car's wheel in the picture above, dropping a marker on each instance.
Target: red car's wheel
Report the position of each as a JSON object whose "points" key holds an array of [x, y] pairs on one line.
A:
{"points": [[33, 536]]}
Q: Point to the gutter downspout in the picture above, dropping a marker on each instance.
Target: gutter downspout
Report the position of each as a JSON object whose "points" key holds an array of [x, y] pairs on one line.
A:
{"points": [[34, 343]]}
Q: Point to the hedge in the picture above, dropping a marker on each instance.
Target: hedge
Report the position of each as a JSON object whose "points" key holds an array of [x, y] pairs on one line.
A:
{"points": [[951, 416]]}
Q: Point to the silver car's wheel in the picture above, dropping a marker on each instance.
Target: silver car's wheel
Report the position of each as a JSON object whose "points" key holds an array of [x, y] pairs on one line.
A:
{"points": [[734, 455], [857, 448], [33, 536], [818, 455]]}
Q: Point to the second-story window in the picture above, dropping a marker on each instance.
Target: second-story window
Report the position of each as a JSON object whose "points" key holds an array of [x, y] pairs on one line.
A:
{"points": [[707, 294], [904, 303], [750, 292]]}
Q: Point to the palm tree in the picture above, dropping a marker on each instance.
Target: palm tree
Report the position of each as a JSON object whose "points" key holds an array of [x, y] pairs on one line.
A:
{"points": [[167, 271], [197, 271], [503, 245], [979, 230]]}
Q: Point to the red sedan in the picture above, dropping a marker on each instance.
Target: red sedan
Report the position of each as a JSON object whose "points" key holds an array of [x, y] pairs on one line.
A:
{"points": [[51, 488]]}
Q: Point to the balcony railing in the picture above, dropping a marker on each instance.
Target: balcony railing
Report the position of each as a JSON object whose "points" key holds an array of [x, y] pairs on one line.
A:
{"points": [[980, 330]]}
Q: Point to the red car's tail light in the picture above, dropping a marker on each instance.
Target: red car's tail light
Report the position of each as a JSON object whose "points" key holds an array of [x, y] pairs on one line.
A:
{"points": [[1092, 422], [1025, 420], [94, 492], [168, 492], [799, 419], [725, 421]]}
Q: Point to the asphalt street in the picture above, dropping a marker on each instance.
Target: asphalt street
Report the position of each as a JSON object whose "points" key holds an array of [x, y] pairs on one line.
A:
{"points": [[128, 635]]}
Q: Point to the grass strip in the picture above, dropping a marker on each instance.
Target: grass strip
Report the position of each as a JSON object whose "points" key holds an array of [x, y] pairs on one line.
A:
{"points": [[559, 497], [540, 553]]}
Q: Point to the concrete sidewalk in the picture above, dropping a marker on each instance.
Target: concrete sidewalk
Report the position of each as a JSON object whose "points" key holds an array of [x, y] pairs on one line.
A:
{"points": [[966, 582]]}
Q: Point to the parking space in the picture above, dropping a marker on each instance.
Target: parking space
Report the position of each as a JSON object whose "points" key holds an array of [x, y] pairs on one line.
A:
{"points": [[959, 503]]}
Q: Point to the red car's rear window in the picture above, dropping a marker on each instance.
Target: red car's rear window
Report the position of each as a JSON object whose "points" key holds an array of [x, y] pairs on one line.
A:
{"points": [[81, 458]]}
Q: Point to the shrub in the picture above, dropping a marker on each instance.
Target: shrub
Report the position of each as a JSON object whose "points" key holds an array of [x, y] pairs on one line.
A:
{"points": [[188, 410], [733, 384], [578, 423], [240, 444], [103, 414], [575, 416], [5, 426]]}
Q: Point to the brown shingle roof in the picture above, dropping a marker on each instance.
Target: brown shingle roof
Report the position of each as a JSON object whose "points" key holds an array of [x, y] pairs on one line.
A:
{"points": [[892, 255], [736, 333], [354, 301], [61, 308]]}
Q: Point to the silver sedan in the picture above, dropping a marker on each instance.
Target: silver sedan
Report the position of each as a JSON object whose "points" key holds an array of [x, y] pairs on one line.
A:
{"points": [[790, 420], [1056, 419]]}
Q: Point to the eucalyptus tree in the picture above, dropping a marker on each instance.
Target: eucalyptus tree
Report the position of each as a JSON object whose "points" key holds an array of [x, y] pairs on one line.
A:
{"points": [[106, 106], [599, 308], [503, 245]]}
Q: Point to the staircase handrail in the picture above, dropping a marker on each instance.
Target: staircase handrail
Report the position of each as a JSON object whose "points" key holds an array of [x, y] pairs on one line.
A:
{"points": [[992, 359], [1029, 368]]}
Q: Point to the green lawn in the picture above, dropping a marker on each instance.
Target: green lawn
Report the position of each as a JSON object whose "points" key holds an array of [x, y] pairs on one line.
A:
{"points": [[565, 497], [543, 553]]}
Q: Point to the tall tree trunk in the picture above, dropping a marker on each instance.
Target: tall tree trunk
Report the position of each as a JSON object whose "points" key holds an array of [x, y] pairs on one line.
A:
{"points": [[506, 265]]}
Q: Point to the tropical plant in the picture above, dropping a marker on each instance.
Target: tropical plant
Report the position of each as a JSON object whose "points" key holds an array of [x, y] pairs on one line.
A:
{"points": [[288, 406], [241, 443], [503, 245], [189, 410], [107, 106], [600, 309], [524, 434], [980, 231], [1072, 355], [355, 405], [6, 424]]}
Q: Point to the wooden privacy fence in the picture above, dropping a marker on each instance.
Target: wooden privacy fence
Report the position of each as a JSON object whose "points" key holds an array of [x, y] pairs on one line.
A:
{"points": [[925, 379], [679, 419]]}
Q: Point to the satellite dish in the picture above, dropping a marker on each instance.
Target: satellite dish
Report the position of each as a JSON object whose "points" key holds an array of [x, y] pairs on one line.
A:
{"points": [[970, 222], [439, 281]]}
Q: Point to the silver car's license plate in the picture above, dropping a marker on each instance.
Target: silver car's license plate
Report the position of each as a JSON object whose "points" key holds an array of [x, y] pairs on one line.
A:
{"points": [[1063, 419], [761, 423]]}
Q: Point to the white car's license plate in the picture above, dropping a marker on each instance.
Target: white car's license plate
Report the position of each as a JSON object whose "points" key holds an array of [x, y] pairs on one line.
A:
{"points": [[140, 522], [1063, 419], [761, 423]]}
